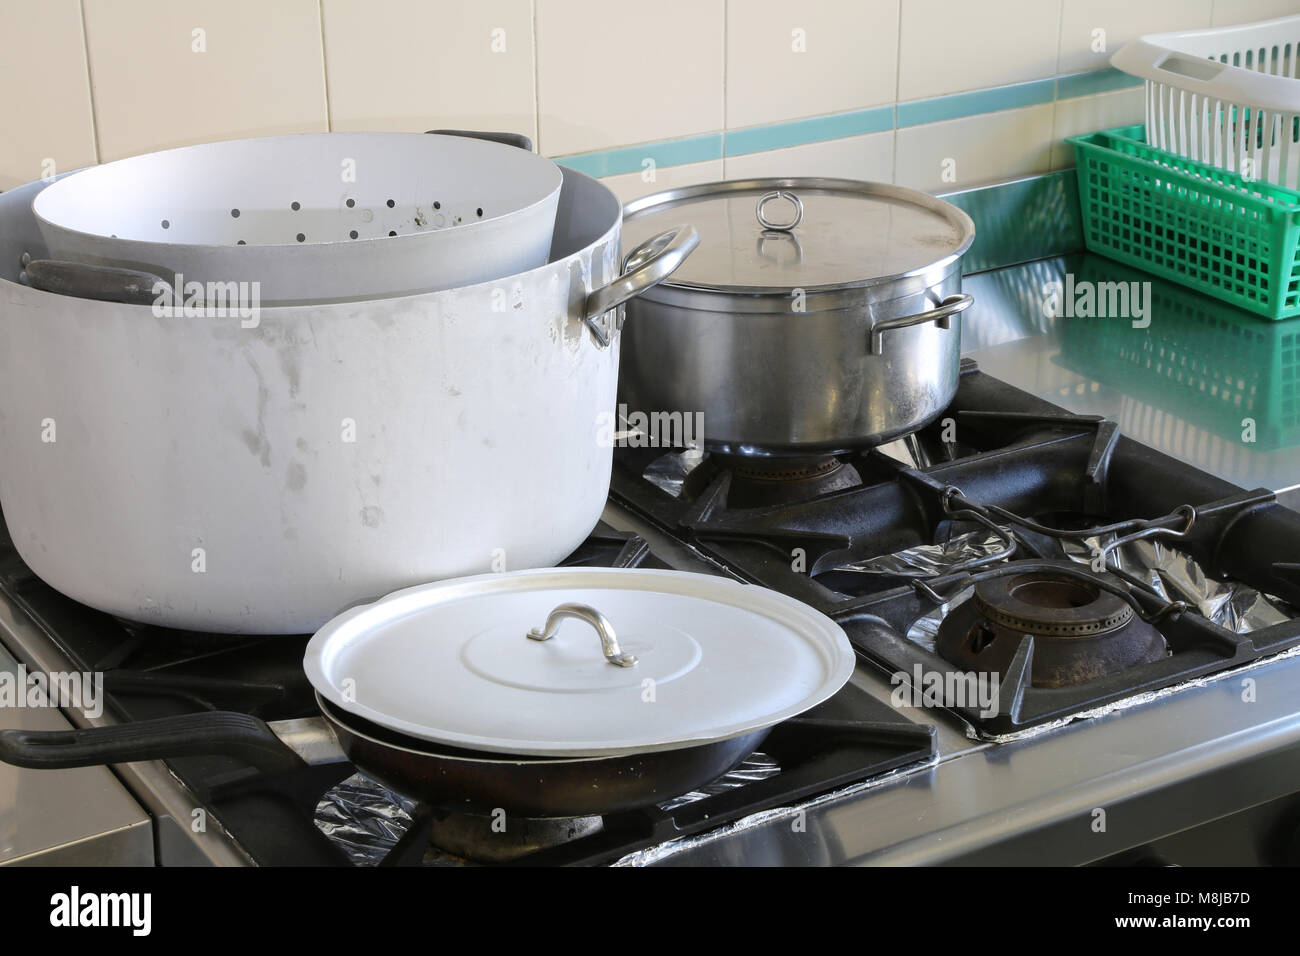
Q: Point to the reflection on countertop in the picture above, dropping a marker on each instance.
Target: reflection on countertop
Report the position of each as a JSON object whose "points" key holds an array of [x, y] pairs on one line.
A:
{"points": [[1203, 381]]}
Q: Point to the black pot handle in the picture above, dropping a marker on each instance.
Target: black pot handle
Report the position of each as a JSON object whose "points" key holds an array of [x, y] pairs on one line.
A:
{"points": [[508, 139], [105, 283], [191, 735]]}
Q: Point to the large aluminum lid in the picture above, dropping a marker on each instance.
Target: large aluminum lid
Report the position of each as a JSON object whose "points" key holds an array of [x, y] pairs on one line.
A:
{"points": [[459, 662], [771, 235]]}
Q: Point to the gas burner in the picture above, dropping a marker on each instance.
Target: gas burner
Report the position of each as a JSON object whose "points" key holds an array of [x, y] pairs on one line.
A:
{"points": [[762, 482], [1081, 631], [480, 839]]}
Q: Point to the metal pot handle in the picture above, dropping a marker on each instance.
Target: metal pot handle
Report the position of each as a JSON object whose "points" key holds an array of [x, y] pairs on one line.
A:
{"points": [[105, 283], [952, 305], [647, 265], [585, 612], [518, 140]]}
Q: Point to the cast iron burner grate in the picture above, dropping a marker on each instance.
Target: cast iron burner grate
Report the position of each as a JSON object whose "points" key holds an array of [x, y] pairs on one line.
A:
{"points": [[1004, 462]]}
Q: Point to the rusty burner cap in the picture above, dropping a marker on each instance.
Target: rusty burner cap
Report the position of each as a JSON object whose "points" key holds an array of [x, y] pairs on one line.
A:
{"points": [[764, 482], [1081, 632]]}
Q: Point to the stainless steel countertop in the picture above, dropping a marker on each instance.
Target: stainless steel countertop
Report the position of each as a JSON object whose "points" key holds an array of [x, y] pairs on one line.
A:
{"points": [[1169, 399], [52, 817]]}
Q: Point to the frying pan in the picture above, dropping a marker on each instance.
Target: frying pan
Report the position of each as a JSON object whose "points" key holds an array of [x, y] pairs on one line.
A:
{"points": [[753, 659], [443, 777]]}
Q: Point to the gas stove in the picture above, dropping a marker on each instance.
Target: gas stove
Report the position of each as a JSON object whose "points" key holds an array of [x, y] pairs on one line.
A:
{"points": [[1056, 497], [1014, 649]]}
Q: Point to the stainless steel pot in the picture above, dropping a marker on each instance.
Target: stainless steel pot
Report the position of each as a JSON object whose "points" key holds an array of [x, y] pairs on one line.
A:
{"points": [[259, 473], [818, 315]]}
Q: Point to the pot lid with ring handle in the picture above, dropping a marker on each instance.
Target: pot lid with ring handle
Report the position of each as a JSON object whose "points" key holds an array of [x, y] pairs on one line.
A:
{"points": [[771, 235], [579, 661]]}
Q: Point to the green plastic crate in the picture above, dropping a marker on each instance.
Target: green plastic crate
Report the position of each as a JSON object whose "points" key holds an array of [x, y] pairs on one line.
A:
{"points": [[1206, 228]]}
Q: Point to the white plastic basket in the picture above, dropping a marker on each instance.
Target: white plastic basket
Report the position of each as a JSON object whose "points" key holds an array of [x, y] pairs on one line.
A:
{"points": [[1228, 96]]}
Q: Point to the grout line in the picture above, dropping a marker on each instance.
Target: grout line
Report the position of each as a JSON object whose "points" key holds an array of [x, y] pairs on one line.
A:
{"points": [[324, 68], [1056, 84], [537, 83], [726, 9], [1060, 29], [898, 85], [90, 83]]}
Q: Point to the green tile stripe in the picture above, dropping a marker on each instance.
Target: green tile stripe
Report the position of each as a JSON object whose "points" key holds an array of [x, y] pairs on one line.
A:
{"points": [[820, 129], [1094, 81], [801, 132], [630, 159], [958, 105]]}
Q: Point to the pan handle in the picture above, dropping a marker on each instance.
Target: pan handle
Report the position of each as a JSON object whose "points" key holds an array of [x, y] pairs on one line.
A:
{"points": [[585, 612], [952, 305], [507, 139], [190, 735], [646, 266], [105, 283]]}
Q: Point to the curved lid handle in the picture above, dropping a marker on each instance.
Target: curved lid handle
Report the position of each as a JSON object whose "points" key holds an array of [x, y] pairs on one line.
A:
{"points": [[585, 612], [779, 194]]}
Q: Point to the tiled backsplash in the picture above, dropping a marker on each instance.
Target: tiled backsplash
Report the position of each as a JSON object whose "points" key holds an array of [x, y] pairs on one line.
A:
{"points": [[937, 94]]}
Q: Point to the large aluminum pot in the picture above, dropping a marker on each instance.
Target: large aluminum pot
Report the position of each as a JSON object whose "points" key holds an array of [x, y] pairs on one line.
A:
{"points": [[817, 316], [260, 474], [313, 217]]}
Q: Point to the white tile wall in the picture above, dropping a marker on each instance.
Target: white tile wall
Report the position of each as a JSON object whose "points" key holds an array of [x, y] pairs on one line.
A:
{"points": [[617, 74], [947, 46], [1227, 12], [118, 77], [420, 64], [793, 58], [629, 186], [1087, 114], [45, 116], [1092, 30], [974, 150], [167, 74], [854, 157]]}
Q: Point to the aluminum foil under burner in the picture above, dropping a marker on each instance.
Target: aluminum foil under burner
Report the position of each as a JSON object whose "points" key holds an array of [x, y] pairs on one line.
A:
{"points": [[1081, 632], [365, 819]]}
